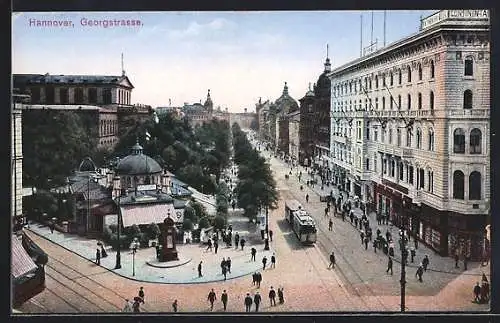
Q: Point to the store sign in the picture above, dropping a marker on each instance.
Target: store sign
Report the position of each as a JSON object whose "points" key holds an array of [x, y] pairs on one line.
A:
{"points": [[395, 186], [454, 14]]}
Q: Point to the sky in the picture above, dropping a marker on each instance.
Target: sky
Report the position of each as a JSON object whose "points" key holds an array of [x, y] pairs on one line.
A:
{"points": [[239, 56]]}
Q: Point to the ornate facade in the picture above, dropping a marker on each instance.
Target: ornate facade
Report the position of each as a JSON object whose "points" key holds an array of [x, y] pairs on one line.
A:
{"points": [[410, 131]]}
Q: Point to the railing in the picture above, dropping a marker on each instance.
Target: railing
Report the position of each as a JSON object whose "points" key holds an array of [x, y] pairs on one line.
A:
{"points": [[407, 153]]}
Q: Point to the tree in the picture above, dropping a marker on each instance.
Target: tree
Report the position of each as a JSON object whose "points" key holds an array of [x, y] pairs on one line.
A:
{"points": [[219, 222], [204, 223], [199, 209], [190, 213], [187, 225]]}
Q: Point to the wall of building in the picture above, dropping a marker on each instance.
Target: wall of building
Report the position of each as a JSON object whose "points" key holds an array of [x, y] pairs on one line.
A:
{"points": [[16, 161]]}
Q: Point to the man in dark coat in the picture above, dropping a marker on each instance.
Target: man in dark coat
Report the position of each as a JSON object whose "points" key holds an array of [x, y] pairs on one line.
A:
{"points": [[259, 279], [216, 246], [332, 261], [271, 235], [228, 264], [242, 243], [264, 262], [209, 244], [141, 294], [330, 225], [236, 240], [257, 299], [456, 259], [224, 272], [477, 292], [273, 261], [362, 235], [366, 243], [412, 254], [98, 257], [211, 298], [199, 269], [272, 296], [254, 279], [307, 198], [389, 265], [223, 298], [280, 295], [419, 273], [254, 252], [248, 302], [425, 262]]}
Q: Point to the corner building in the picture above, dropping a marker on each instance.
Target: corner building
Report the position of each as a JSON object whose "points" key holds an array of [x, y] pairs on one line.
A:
{"points": [[410, 131]]}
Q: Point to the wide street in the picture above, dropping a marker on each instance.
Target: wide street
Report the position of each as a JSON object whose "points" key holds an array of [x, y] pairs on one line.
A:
{"points": [[358, 283]]}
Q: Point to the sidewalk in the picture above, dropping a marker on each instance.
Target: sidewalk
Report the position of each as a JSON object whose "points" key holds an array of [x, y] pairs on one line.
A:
{"points": [[184, 274]]}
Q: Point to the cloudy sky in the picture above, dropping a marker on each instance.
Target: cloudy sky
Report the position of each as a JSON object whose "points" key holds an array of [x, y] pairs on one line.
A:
{"points": [[239, 56]]}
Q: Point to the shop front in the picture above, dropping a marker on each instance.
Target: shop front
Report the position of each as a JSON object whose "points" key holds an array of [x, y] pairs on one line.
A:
{"points": [[467, 236]]}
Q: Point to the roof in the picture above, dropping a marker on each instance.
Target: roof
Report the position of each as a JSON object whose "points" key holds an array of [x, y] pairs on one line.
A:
{"points": [[145, 197], [22, 263], [71, 79], [87, 165], [75, 107], [293, 204], [150, 213], [138, 164], [79, 183]]}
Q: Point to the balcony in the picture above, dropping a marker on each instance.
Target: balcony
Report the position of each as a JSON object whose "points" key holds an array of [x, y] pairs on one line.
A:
{"points": [[468, 113], [339, 139], [407, 153]]}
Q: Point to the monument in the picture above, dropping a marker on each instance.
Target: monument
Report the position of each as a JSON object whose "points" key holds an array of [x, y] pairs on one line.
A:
{"points": [[167, 250]]}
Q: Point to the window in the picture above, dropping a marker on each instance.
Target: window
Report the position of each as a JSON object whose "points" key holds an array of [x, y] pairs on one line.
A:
{"points": [[430, 181], [408, 71], [390, 136], [431, 139], [400, 76], [468, 99], [368, 132], [376, 103], [393, 167], [475, 141], [107, 96], [475, 186], [398, 134], [35, 95], [409, 101], [419, 138], [469, 64], [383, 80], [368, 164], [399, 102], [376, 81], [384, 166], [49, 95], [400, 171], [410, 174], [431, 100], [421, 178], [92, 95], [419, 72], [391, 79], [459, 141], [432, 69], [458, 185], [63, 96], [408, 138], [78, 95], [420, 101], [375, 162], [370, 84], [375, 134], [383, 103], [382, 135]]}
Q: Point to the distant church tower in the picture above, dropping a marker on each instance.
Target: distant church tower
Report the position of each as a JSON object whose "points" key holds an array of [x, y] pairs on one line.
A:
{"points": [[209, 105]]}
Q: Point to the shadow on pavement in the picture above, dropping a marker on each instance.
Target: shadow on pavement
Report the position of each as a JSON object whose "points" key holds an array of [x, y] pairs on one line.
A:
{"points": [[290, 237]]}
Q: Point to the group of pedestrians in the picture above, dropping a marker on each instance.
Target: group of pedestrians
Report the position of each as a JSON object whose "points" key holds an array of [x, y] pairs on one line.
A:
{"points": [[248, 300], [482, 292], [135, 305], [100, 253]]}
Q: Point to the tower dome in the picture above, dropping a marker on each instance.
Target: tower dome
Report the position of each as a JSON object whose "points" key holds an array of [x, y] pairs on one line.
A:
{"points": [[137, 163]]}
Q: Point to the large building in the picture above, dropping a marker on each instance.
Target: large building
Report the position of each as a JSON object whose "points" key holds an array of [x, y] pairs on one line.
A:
{"points": [[306, 129], [197, 114], [107, 99], [284, 105], [410, 131]]}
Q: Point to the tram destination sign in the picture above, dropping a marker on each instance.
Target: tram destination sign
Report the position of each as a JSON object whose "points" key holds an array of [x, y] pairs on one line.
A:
{"points": [[454, 15]]}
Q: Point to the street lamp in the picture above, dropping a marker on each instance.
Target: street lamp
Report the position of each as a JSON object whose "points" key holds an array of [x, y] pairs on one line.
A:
{"points": [[266, 241], [403, 258], [117, 196], [135, 245]]}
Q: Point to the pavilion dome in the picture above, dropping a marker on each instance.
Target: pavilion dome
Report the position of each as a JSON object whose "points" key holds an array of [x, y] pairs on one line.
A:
{"points": [[137, 163], [87, 165]]}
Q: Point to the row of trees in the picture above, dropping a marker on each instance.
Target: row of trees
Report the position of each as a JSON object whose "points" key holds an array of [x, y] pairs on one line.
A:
{"points": [[256, 188]]}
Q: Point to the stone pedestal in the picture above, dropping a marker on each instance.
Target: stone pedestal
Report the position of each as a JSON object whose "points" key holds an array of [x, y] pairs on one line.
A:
{"points": [[167, 249]]}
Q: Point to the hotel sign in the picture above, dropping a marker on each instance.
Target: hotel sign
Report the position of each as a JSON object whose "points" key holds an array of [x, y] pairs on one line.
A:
{"points": [[454, 15]]}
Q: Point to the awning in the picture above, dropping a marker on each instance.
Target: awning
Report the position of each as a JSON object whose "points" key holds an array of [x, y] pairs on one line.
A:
{"points": [[21, 261], [149, 213]]}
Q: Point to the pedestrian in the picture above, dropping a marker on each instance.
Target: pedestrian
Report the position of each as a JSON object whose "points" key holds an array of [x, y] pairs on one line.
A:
{"points": [[330, 225], [272, 296], [264, 262], [128, 308], [141, 294], [412, 254], [465, 261], [51, 226], [273, 261], [199, 269], [415, 241], [254, 252], [209, 244], [326, 211], [242, 243], [254, 278], [259, 279], [257, 299], [456, 259], [332, 261], [425, 262], [280, 295], [224, 272], [378, 232], [228, 264], [271, 235], [307, 198], [419, 273], [211, 298], [236, 240], [389, 265], [362, 235], [375, 246], [98, 257], [477, 292], [136, 306], [223, 298], [216, 246], [233, 205], [366, 243], [174, 305], [248, 302]]}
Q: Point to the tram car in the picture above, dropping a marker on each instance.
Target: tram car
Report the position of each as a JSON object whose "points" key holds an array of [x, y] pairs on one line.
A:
{"points": [[302, 223]]}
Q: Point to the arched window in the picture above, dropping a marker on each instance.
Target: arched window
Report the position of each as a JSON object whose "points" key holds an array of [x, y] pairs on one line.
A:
{"points": [[459, 141], [370, 84], [383, 80], [419, 138], [376, 81], [432, 69], [458, 185], [468, 99], [408, 71], [398, 134], [399, 102], [400, 76], [419, 72], [391, 77], [391, 104], [366, 83], [393, 168], [390, 136], [431, 100], [383, 103], [475, 186], [409, 101], [469, 64], [475, 141], [431, 139], [420, 101], [408, 138]]}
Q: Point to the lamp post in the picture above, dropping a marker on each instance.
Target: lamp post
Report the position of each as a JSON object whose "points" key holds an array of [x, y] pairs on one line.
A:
{"points": [[135, 245], [117, 195], [266, 241], [403, 258]]}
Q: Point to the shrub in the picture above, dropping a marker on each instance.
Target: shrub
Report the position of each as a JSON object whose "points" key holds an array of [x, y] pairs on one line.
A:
{"points": [[155, 230]]}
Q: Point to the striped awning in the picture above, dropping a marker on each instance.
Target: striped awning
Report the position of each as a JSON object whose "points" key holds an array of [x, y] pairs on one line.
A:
{"points": [[21, 261], [149, 213]]}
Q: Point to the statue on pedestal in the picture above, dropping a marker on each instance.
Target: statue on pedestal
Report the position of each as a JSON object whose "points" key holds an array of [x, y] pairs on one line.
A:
{"points": [[167, 250]]}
